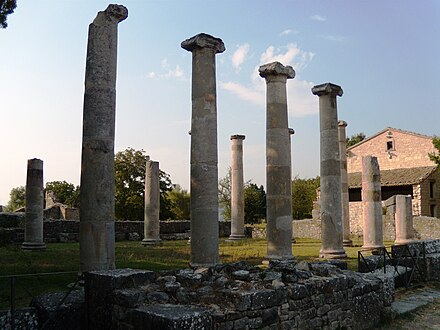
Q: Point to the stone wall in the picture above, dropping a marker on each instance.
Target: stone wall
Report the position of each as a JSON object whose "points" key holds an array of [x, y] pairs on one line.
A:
{"points": [[307, 228], [237, 296]]}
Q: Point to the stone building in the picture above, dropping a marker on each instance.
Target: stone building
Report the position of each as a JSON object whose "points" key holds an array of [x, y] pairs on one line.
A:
{"points": [[405, 169]]}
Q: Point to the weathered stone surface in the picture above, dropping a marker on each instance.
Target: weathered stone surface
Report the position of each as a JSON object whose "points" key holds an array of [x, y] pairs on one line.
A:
{"points": [[24, 318], [152, 204]]}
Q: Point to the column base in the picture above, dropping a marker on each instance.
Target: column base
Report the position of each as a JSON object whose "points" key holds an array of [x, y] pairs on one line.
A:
{"points": [[29, 246], [333, 254], [198, 265], [404, 241], [375, 249], [235, 237], [151, 241], [347, 242]]}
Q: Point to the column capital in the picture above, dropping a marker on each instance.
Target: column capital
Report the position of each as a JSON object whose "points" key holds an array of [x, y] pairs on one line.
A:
{"points": [[203, 40], [113, 13], [342, 123], [276, 69], [238, 137], [291, 131], [327, 89]]}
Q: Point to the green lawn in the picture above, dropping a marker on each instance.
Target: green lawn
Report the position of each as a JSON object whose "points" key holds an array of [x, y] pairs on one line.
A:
{"points": [[62, 257]]}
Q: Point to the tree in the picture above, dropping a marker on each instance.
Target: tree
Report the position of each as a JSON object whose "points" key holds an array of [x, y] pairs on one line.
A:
{"points": [[17, 199], [130, 186], [355, 139], [435, 156], [180, 202], [303, 195], [224, 195], [254, 203], [7, 7], [65, 193]]}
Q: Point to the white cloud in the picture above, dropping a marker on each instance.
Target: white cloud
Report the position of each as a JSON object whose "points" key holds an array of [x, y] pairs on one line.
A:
{"points": [[175, 73], [168, 71], [334, 38], [287, 32], [301, 102], [151, 75], [239, 56], [318, 18]]}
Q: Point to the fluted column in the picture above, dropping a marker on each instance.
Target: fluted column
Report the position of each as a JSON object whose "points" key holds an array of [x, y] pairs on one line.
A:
{"points": [[204, 170], [371, 204], [346, 241], [97, 212], [152, 204], [331, 213], [33, 230], [404, 220], [278, 162]]}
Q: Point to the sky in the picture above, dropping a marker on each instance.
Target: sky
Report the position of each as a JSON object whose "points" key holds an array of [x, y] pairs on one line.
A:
{"points": [[384, 54]]}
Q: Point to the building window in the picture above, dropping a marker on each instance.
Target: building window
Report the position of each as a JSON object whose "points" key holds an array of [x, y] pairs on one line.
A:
{"points": [[390, 145], [433, 210], [431, 189]]}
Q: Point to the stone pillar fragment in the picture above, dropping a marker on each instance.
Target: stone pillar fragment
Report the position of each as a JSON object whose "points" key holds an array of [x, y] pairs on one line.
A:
{"points": [[331, 213], [237, 189], [33, 231], [404, 220], [204, 159], [278, 162], [152, 204], [346, 241], [97, 213], [371, 204]]}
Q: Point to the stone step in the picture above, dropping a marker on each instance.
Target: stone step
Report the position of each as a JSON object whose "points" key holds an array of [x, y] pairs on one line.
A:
{"points": [[413, 301]]}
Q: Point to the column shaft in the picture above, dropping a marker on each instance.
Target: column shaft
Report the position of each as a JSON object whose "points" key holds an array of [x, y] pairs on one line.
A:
{"points": [[97, 212], [204, 167], [278, 162], [33, 231], [344, 185], [404, 220], [152, 204], [237, 189], [371, 204], [331, 212]]}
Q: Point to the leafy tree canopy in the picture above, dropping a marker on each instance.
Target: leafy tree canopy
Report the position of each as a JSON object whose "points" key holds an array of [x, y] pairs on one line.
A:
{"points": [[65, 193], [130, 186], [7, 7], [17, 199], [355, 139], [303, 195], [180, 203], [224, 195], [435, 156]]}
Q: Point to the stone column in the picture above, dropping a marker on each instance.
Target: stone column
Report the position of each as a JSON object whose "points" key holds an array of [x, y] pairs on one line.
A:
{"points": [[237, 187], [33, 231], [97, 212], [331, 213], [152, 204], [346, 241], [371, 204], [404, 220], [204, 171], [278, 162]]}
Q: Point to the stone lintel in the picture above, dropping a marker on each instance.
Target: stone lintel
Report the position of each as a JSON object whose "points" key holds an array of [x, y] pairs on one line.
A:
{"points": [[203, 40], [342, 123], [113, 14], [326, 89], [238, 137], [291, 131], [276, 68]]}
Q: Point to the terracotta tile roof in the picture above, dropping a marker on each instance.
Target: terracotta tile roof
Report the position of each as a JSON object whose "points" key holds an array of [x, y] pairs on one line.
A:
{"points": [[396, 177]]}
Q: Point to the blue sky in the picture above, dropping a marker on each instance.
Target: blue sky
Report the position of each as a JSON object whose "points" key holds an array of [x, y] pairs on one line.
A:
{"points": [[384, 54]]}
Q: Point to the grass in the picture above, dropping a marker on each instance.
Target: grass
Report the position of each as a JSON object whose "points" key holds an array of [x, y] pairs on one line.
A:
{"points": [[63, 257]]}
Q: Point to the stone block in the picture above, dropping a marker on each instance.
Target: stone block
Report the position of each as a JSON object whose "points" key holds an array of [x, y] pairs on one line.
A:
{"points": [[170, 317]]}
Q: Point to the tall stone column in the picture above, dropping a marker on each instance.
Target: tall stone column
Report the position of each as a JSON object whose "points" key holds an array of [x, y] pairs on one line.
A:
{"points": [[152, 204], [97, 212], [278, 162], [404, 220], [33, 230], [346, 241], [331, 213], [237, 193], [371, 204], [204, 171]]}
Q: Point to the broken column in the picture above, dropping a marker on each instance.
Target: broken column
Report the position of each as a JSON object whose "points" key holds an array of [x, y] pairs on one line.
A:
{"points": [[237, 189], [33, 230], [371, 204], [404, 220], [97, 213], [278, 162], [204, 171], [152, 204], [330, 201], [346, 241]]}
